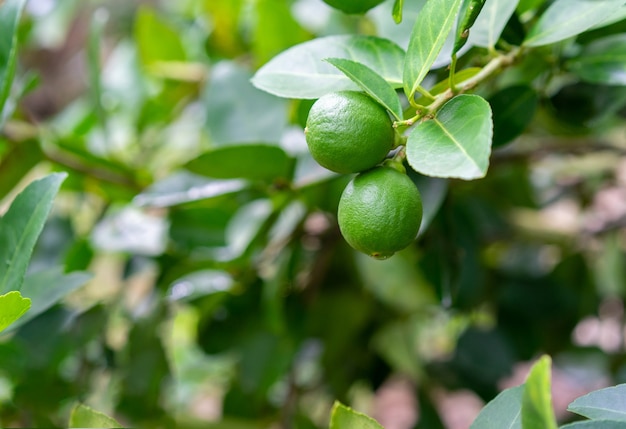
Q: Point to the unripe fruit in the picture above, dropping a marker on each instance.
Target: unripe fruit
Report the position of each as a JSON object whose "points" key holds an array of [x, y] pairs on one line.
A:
{"points": [[380, 212], [353, 6], [348, 132]]}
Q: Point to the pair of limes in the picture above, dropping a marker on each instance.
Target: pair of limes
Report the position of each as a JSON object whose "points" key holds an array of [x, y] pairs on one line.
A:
{"points": [[380, 211]]}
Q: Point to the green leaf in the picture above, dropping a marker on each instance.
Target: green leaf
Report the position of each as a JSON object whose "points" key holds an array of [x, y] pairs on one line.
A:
{"points": [[12, 307], [83, 416], [537, 409], [603, 61], [430, 31], [156, 40], [396, 13], [513, 109], [456, 143], [10, 12], [606, 403], [16, 163], [568, 18], [20, 227], [343, 417], [299, 72], [491, 22], [444, 85], [596, 424], [618, 16], [503, 411], [372, 83], [468, 14], [252, 161]]}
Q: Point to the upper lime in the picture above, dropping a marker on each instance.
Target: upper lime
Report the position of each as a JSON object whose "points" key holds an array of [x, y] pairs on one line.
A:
{"points": [[380, 212], [348, 132], [353, 6]]}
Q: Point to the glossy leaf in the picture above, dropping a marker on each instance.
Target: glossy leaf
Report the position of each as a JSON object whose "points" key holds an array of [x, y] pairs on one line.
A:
{"points": [[537, 409], [343, 417], [491, 22], [568, 18], [156, 39], [467, 17], [513, 109], [605, 403], [299, 72], [10, 13], [396, 13], [504, 411], [20, 227], [596, 424], [252, 162], [456, 143], [619, 15], [83, 416], [603, 61], [372, 83], [430, 32], [12, 307]]}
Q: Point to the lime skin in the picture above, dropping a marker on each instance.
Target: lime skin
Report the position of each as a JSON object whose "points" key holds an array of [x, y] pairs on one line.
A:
{"points": [[380, 212], [348, 132], [353, 6]]}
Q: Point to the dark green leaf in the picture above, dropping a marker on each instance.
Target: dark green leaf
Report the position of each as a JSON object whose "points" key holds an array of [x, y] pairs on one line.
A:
{"points": [[430, 31], [603, 61], [504, 411], [467, 16], [568, 18], [299, 72], [83, 416], [372, 83], [456, 143], [513, 109], [606, 403], [537, 409], [16, 163], [342, 417], [20, 227], [491, 21], [10, 12], [596, 424], [12, 307]]}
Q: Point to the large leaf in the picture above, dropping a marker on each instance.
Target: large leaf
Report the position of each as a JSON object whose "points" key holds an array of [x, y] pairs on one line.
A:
{"points": [[602, 61], [596, 424], [85, 417], [456, 143], [537, 409], [10, 12], [372, 83], [299, 72], [503, 412], [606, 403], [20, 227], [430, 31], [491, 21], [12, 307], [568, 18], [343, 417]]}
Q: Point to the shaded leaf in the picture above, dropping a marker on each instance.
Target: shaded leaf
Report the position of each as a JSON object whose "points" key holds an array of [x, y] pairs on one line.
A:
{"points": [[10, 12], [83, 416], [12, 307], [537, 409], [513, 109], [491, 22], [16, 163], [444, 85], [456, 143], [603, 61], [596, 424], [606, 403], [503, 411], [299, 72], [343, 417]]}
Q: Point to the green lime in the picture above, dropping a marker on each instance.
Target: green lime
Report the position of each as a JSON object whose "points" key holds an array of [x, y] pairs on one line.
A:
{"points": [[348, 132], [353, 6], [380, 212]]}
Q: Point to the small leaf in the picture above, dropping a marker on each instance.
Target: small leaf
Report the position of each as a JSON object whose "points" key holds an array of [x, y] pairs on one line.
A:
{"points": [[372, 83], [299, 72], [430, 31], [12, 307], [456, 143], [85, 417], [491, 22], [343, 417], [20, 227], [606, 403], [156, 39], [603, 61], [16, 163], [568, 18], [10, 12], [504, 411], [250, 161], [537, 409], [513, 109], [468, 14], [596, 424], [398, 5]]}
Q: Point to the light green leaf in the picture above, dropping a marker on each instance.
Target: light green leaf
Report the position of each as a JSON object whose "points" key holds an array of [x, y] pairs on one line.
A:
{"points": [[537, 409], [568, 18], [503, 412], [609, 403], [491, 21], [603, 61], [596, 424], [430, 31], [456, 143], [299, 72], [20, 227], [343, 417], [444, 85], [156, 40], [397, 11], [12, 307], [618, 16], [10, 12], [83, 416], [372, 83]]}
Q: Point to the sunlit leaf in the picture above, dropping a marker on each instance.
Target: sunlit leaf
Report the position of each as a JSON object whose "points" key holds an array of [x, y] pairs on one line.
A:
{"points": [[156, 39], [537, 411], [12, 307], [83, 416], [343, 417]]}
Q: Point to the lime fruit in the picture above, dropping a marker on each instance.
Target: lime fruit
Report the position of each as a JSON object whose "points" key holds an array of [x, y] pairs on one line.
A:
{"points": [[380, 212], [348, 132], [353, 6]]}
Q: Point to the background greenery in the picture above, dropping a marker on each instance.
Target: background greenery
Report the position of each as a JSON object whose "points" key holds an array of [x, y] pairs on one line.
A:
{"points": [[193, 247]]}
